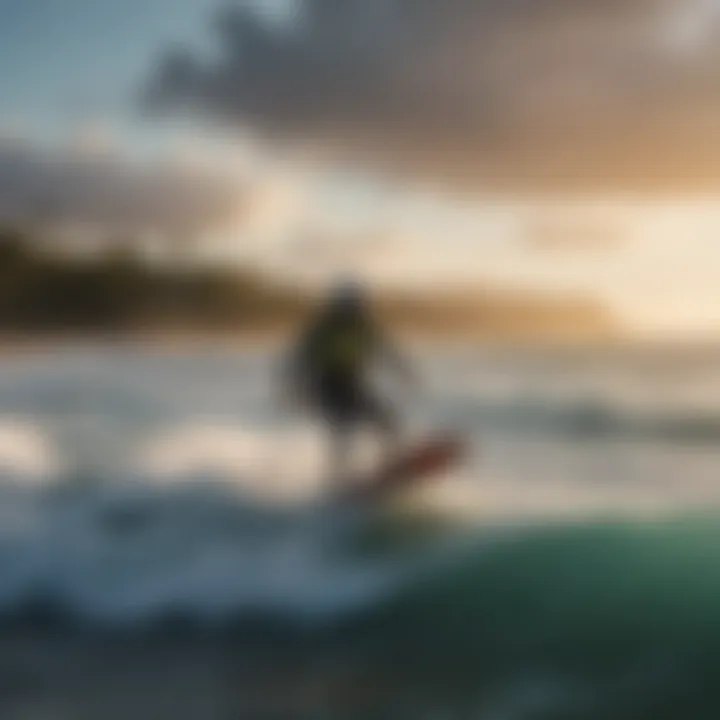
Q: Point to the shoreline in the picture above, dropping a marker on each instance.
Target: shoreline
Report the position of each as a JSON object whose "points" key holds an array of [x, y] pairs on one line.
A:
{"points": [[12, 344]]}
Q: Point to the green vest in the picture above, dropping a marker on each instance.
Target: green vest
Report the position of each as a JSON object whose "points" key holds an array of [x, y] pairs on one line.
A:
{"points": [[344, 348]]}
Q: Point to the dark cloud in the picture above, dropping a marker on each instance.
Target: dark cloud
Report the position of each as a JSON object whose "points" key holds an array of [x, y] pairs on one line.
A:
{"points": [[77, 186], [478, 89]]}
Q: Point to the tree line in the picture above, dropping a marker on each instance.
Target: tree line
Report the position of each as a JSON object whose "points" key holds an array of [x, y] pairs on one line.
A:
{"points": [[116, 291]]}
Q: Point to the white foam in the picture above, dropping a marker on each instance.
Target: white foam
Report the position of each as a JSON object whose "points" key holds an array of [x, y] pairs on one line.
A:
{"points": [[26, 454], [120, 558], [286, 463]]}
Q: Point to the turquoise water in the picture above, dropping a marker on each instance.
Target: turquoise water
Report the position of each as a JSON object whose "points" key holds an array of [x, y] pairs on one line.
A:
{"points": [[609, 620]]}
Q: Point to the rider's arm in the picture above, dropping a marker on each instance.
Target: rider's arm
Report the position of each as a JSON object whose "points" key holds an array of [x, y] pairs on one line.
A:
{"points": [[398, 360], [300, 361], [292, 370]]}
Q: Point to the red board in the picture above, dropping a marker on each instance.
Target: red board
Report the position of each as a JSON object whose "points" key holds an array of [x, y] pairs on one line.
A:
{"points": [[419, 464]]}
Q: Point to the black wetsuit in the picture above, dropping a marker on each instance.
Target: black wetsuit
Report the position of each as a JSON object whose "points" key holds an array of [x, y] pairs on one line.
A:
{"points": [[334, 360]]}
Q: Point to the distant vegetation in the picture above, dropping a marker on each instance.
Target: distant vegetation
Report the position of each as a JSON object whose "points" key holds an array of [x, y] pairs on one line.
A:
{"points": [[42, 292]]}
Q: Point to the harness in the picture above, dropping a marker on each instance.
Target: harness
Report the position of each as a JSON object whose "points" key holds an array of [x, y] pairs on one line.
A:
{"points": [[344, 348]]}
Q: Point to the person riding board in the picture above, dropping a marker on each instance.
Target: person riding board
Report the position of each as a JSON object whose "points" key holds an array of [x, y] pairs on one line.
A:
{"points": [[330, 368]]}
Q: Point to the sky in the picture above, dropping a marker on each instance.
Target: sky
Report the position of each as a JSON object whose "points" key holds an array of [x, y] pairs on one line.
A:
{"points": [[76, 61], [565, 145]]}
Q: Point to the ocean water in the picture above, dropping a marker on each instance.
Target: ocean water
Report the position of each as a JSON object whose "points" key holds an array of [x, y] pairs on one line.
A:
{"points": [[569, 569]]}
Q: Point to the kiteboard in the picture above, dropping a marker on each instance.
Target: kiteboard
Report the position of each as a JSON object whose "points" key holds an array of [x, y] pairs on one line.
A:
{"points": [[408, 470]]}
